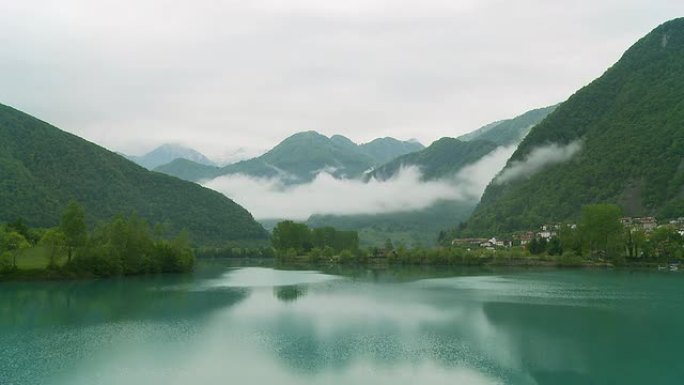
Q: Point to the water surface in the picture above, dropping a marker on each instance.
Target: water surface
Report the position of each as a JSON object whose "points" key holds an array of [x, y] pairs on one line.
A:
{"points": [[356, 326]]}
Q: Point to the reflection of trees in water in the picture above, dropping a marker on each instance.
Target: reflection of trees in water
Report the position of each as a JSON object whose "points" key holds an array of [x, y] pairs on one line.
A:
{"points": [[289, 293], [85, 303]]}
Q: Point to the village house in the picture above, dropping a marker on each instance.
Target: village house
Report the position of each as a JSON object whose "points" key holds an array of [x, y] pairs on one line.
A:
{"points": [[646, 224], [524, 237]]}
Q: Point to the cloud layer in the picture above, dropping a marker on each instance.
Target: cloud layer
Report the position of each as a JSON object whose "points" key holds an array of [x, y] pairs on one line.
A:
{"points": [[218, 75], [269, 198], [537, 159]]}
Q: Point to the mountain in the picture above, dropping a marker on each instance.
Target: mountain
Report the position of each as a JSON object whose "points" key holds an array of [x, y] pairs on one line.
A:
{"points": [[167, 153], [383, 150], [188, 170], [415, 227], [444, 157], [43, 168], [624, 135], [509, 131], [300, 157]]}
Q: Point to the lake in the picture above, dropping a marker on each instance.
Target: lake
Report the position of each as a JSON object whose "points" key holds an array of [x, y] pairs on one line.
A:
{"points": [[257, 325]]}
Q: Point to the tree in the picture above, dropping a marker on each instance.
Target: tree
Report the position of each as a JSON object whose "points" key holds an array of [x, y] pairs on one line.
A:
{"points": [[389, 246], [54, 241], [554, 246], [666, 242], [15, 243], [537, 246], [601, 229], [73, 227], [570, 239]]}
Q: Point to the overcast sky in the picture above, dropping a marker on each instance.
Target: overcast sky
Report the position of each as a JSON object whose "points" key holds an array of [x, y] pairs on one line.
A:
{"points": [[219, 75]]}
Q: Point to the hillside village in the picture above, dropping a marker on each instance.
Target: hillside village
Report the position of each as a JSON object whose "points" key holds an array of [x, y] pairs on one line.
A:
{"points": [[549, 231]]}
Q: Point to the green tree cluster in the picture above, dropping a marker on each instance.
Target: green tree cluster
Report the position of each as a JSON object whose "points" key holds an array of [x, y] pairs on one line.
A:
{"points": [[297, 238], [122, 246], [129, 246]]}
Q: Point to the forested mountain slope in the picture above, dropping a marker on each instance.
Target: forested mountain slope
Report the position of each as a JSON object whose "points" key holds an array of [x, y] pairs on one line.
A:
{"points": [[43, 168], [629, 128]]}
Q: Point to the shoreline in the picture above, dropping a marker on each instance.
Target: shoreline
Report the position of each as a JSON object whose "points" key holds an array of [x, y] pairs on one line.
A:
{"points": [[33, 275]]}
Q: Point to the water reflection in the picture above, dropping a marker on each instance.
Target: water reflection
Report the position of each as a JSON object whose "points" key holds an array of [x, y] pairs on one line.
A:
{"points": [[369, 326], [289, 293]]}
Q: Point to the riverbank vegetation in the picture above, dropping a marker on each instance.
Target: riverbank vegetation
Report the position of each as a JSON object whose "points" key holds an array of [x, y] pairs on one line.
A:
{"points": [[599, 239], [603, 234], [122, 246]]}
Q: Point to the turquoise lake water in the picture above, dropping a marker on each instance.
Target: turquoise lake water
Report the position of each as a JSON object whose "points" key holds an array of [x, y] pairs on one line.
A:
{"points": [[259, 325]]}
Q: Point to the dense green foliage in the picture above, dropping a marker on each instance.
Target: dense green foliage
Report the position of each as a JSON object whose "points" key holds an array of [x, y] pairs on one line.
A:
{"points": [[630, 122], [509, 131], [599, 239], [600, 234], [443, 158], [123, 246], [128, 246], [12, 243], [293, 239], [167, 153], [44, 168]]}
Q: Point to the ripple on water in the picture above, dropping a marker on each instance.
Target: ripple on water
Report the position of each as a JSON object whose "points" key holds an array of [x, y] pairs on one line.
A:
{"points": [[540, 288]]}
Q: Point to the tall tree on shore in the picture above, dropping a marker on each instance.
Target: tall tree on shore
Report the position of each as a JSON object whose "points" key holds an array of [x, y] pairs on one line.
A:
{"points": [[601, 229], [15, 243], [73, 227], [54, 241]]}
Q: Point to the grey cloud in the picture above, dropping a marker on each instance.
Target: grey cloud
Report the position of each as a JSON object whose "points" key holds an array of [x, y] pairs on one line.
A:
{"points": [[222, 75]]}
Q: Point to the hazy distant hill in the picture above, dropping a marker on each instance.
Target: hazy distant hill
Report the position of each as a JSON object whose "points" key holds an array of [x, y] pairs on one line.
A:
{"points": [[509, 131], [629, 126], [416, 227], [43, 168], [167, 153], [300, 157], [188, 170], [444, 157], [383, 150]]}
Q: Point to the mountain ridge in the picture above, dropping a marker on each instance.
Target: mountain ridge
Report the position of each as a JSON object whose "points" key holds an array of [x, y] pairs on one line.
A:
{"points": [[629, 123], [44, 168], [300, 157], [167, 153]]}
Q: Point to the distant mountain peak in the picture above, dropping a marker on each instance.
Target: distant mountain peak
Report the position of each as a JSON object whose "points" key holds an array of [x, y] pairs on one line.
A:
{"points": [[168, 152]]}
